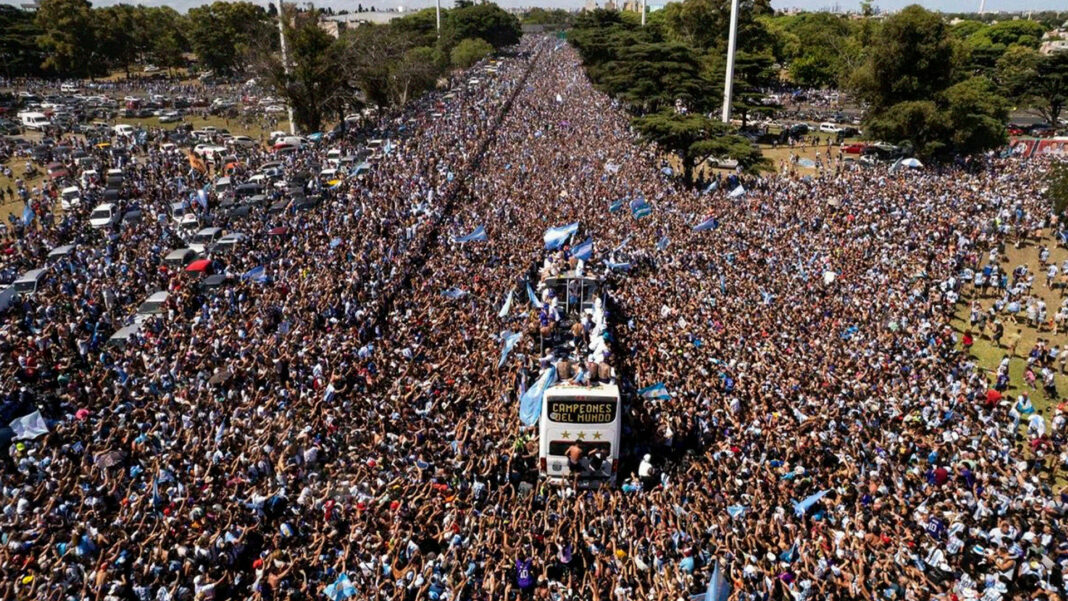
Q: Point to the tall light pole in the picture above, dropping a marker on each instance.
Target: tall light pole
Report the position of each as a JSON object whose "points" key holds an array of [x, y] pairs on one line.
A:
{"points": [[285, 65], [982, 6], [643, 13], [728, 85], [439, 19]]}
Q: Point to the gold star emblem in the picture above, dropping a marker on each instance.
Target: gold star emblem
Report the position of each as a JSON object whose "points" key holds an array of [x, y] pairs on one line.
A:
{"points": [[566, 434], [581, 435], [597, 436]]}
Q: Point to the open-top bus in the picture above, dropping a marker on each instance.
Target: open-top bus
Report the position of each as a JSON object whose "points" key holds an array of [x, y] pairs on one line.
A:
{"points": [[580, 423]]}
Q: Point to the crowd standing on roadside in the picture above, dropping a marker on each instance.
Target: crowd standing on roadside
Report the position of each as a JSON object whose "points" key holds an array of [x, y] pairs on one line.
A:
{"points": [[338, 427]]}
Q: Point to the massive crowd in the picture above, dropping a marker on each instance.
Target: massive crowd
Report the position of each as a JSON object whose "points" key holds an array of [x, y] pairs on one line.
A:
{"points": [[342, 429]]}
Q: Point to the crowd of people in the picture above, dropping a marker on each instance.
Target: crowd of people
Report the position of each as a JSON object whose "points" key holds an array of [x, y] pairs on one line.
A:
{"points": [[339, 427]]}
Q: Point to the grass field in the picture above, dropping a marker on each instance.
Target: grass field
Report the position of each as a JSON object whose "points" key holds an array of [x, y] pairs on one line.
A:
{"points": [[989, 355]]}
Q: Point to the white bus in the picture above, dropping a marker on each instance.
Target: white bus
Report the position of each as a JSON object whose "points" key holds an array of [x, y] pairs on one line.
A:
{"points": [[587, 419], [580, 423]]}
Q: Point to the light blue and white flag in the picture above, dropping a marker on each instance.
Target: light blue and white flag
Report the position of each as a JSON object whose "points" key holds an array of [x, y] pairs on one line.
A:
{"points": [[341, 589], [555, 237], [625, 266], [476, 236], [533, 297], [640, 208], [256, 274], [718, 588], [713, 186], [530, 402], [507, 306], [202, 197], [735, 193], [804, 506], [656, 391], [662, 243], [709, 223], [28, 215], [584, 251], [29, 426], [510, 341], [735, 510], [454, 293], [617, 205]]}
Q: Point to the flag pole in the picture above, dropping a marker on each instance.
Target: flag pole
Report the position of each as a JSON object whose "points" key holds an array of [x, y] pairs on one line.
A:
{"points": [[728, 85], [285, 64]]}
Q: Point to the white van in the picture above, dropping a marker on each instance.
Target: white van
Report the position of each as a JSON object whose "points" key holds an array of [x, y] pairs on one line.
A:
{"points": [[32, 120], [70, 197], [205, 238], [104, 215], [829, 128], [123, 130], [27, 283]]}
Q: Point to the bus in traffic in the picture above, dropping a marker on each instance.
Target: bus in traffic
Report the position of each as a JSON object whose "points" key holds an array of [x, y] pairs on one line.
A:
{"points": [[581, 417]]}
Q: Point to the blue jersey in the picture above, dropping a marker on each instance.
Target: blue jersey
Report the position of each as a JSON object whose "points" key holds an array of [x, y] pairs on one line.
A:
{"points": [[522, 573]]}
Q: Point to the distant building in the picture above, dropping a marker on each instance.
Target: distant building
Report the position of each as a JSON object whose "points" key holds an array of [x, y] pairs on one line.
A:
{"points": [[378, 17], [1054, 41], [591, 5]]}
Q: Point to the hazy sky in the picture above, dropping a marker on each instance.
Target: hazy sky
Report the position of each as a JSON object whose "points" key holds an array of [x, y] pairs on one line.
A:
{"points": [[944, 5]]}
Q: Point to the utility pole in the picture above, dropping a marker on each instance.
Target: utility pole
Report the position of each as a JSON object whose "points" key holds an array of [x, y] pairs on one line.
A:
{"points": [[285, 65], [439, 19], [728, 85], [643, 13]]}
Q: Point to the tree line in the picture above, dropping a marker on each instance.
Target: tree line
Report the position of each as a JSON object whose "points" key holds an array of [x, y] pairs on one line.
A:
{"points": [[944, 90], [368, 64]]}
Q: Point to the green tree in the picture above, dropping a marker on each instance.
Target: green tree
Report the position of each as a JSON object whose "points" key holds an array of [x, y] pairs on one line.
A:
{"points": [[222, 34], [487, 21], [421, 26], [912, 59], [1057, 189], [117, 35], [966, 118], [752, 74], [652, 76], [20, 56], [312, 86], [69, 38], [1049, 87], [919, 123], [976, 115], [371, 51], [417, 71], [704, 24], [469, 52], [694, 138]]}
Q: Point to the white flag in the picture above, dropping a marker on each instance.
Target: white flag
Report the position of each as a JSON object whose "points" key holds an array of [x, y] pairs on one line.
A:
{"points": [[29, 426]]}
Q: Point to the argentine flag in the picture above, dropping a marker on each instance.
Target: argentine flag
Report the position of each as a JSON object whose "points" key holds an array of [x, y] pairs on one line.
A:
{"points": [[555, 237], [657, 391], [584, 251], [530, 402]]}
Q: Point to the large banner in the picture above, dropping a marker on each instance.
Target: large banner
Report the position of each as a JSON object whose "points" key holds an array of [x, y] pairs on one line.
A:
{"points": [[1029, 147]]}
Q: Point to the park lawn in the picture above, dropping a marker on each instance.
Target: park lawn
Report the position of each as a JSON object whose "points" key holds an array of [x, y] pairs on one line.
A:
{"points": [[989, 356], [9, 207]]}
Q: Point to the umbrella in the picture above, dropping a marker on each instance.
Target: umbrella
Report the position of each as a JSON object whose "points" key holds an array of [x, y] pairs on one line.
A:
{"points": [[109, 459], [221, 377], [911, 162], [198, 265]]}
